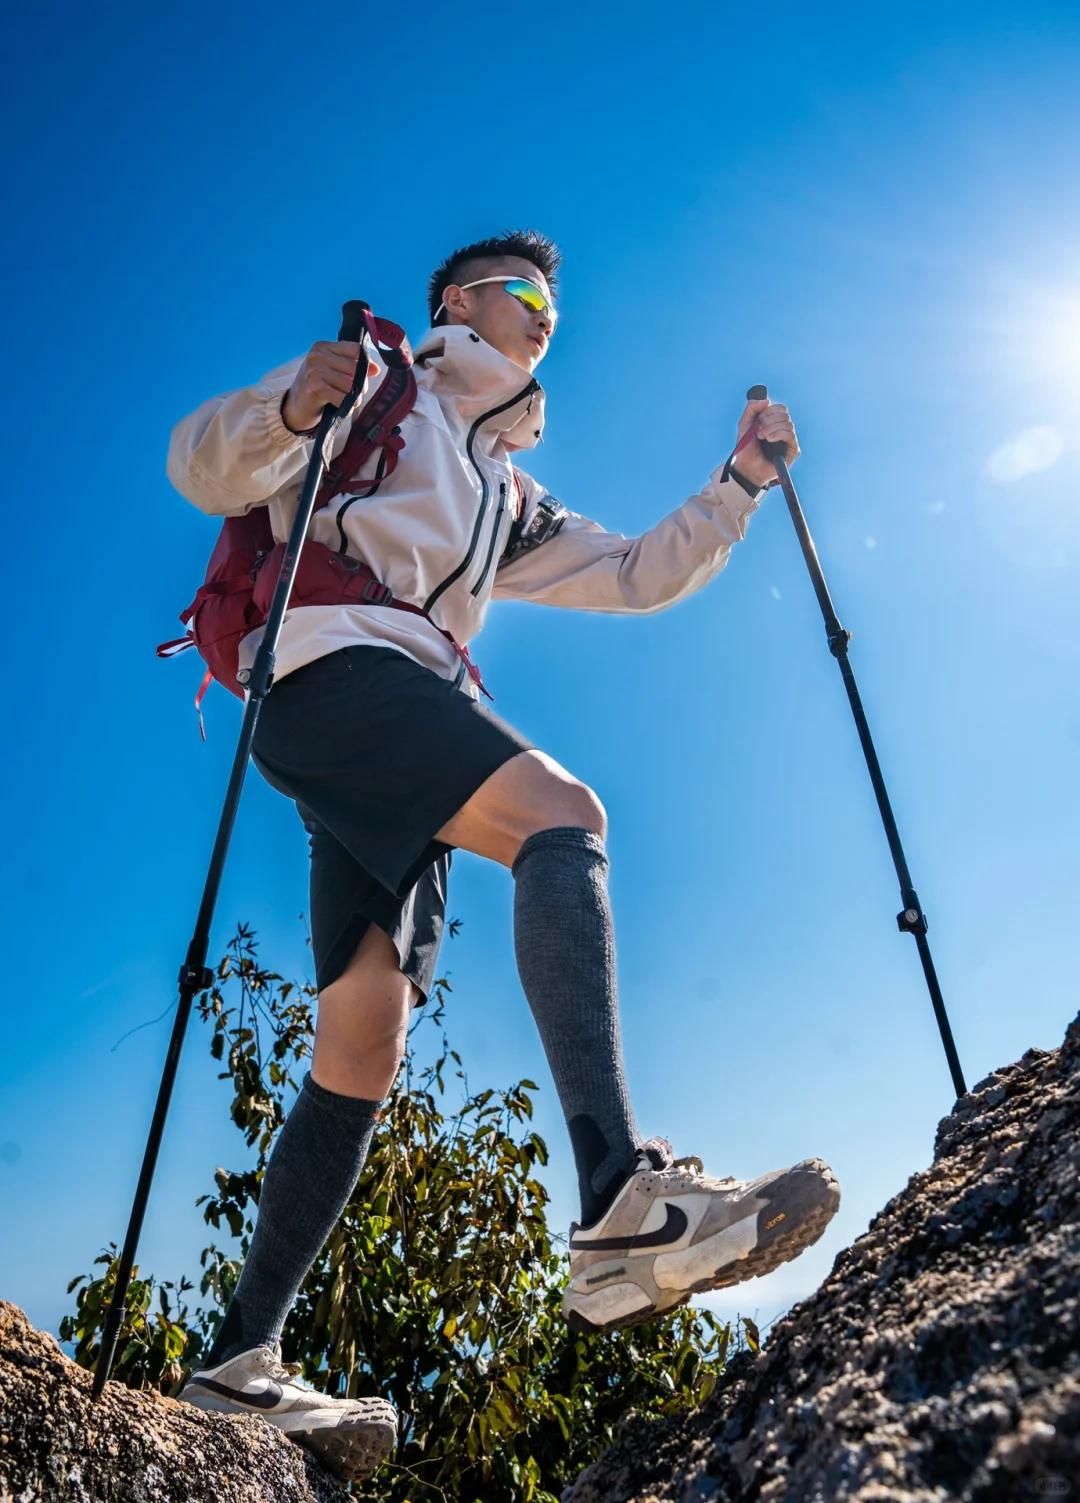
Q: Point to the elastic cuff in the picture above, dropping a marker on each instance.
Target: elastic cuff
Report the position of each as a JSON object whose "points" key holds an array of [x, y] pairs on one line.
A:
{"points": [[564, 837], [345, 1108], [282, 439], [732, 500]]}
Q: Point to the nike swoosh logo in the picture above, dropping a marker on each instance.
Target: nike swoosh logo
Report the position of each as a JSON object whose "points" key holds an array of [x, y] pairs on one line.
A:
{"points": [[671, 1231], [268, 1399]]}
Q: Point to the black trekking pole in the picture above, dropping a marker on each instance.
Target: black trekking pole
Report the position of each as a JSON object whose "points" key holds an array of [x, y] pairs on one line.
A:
{"points": [[195, 977], [911, 919]]}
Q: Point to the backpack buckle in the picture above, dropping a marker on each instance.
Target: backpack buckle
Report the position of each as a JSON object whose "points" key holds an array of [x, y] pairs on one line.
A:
{"points": [[376, 593]]}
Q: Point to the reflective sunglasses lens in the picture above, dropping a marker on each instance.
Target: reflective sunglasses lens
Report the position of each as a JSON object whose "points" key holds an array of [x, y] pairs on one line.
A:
{"points": [[531, 296]]}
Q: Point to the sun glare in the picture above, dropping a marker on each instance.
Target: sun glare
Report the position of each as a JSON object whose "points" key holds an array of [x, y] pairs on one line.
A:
{"points": [[1043, 338], [1027, 498]]}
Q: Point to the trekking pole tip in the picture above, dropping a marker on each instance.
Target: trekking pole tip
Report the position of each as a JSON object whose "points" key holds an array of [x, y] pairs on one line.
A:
{"points": [[757, 394]]}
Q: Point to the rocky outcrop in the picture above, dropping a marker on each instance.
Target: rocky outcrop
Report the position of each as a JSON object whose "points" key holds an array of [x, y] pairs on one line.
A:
{"points": [[938, 1363], [56, 1446], [940, 1360]]}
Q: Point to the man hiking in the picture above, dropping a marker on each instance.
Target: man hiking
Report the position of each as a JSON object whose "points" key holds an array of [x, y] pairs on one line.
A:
{"points": [[376, 729]]}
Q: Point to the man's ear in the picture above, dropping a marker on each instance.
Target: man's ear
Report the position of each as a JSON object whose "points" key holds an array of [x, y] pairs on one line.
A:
{"points": [[455, 302]]}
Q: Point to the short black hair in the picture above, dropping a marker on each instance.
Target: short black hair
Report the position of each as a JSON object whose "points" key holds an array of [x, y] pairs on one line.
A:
{"points": [[530, 245]]}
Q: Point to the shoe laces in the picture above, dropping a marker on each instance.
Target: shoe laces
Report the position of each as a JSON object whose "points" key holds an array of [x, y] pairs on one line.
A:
{"points": [[658, 1152], [662, 1160], [284, 1369]]}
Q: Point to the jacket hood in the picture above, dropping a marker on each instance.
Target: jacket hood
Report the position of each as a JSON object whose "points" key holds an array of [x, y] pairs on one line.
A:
{"points": [[456, 364]]}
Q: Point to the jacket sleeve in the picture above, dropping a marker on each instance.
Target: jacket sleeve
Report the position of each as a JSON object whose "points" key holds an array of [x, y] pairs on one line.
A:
{"points": [[234, 452], [587, 569]]}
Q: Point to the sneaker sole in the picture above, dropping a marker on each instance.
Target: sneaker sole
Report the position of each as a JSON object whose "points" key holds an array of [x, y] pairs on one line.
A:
{"points": [[582, 1326], [348, 1447], [349, 1451], [774, 1246], [781, 1247]]}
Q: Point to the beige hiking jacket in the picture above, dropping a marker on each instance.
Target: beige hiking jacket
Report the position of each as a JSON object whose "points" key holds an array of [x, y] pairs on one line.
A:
{"points": [[437, 528]]}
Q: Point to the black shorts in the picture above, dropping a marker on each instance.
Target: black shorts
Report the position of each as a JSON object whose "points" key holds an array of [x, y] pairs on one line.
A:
{"points": [[378, 753]]}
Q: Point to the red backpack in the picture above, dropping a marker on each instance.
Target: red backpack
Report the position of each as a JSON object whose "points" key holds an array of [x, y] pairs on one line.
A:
{"points": [[235, 596]]}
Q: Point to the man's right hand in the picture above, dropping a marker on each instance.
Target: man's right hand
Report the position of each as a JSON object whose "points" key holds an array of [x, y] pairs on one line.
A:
{"points": [[325, 375]]}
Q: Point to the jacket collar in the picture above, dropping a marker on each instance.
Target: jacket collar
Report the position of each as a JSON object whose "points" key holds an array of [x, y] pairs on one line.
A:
{"points": [[466, 373]]}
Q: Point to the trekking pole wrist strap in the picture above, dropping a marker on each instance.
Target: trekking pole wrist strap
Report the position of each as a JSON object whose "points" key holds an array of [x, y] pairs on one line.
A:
{"points": [[752, 490]]}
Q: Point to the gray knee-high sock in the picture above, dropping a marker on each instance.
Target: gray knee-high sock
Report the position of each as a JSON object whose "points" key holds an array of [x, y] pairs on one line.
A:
{"points": [[311, 1174], [566, 960]]}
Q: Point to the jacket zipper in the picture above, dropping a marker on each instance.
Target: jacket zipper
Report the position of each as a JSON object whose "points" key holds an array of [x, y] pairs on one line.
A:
{"points": [[479, 585], [484, 493]]}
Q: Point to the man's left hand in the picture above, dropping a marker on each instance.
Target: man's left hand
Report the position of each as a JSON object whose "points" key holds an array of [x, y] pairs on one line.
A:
{"points": [[774, 426]]}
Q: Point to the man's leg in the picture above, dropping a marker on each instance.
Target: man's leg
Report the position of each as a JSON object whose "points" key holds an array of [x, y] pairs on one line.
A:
{"points": [[360, 1035], [533, 817], [662, 1228]]}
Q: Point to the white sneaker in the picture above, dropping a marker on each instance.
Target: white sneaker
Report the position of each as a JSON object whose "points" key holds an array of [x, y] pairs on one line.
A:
{"points": [[671, 1232], [351, 1437]]}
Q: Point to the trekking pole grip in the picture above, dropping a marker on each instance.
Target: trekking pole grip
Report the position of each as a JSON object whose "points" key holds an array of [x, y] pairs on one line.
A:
{"points": [[774, 450], [354, 328], [353, 322]]}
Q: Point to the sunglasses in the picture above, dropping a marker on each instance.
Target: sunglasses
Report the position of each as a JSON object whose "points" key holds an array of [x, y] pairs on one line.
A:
{"points": [[526, 292]]}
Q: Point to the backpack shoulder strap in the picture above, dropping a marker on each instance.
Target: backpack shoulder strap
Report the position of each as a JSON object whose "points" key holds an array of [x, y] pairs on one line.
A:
{"points": [[519, 496], [376, 425]]}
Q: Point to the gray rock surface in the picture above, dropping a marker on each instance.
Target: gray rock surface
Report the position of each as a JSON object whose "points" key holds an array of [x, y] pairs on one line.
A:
{"points": [[940, 1360], [56, 1446]]}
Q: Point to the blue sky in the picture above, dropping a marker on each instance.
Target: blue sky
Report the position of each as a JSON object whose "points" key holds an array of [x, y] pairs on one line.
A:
{"points": [[872, 210]]}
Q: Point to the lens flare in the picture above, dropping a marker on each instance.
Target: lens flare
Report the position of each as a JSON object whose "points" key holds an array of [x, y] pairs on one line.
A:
{"points": [[1029, 453], [1028, 503]]}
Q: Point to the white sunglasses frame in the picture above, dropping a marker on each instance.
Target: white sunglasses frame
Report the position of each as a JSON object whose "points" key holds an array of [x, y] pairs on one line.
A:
{"points": [[483, 282]]}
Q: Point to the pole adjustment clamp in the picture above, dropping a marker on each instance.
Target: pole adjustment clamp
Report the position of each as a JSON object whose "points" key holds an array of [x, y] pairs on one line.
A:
{"points": [[196, 978], [912, 921], [838, 642]]}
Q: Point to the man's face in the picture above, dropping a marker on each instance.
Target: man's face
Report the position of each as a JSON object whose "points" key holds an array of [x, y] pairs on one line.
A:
{"points": [[501, 320]]}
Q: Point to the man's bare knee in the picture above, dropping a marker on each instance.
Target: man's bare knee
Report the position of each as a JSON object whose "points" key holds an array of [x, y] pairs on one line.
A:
{"points": [[528, 794], [584, 810], [363, 1022], [559, 799]]}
